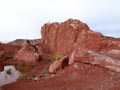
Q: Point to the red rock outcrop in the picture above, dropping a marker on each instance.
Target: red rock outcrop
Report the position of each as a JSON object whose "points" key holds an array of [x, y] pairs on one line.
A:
{"points": [[1, 53], [74, 35], [7, 50], [61, 37], [74, 38], [28, 53]]}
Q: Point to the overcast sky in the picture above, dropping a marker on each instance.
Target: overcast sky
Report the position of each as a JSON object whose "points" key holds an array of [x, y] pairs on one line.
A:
{"points": [[24, 18]]}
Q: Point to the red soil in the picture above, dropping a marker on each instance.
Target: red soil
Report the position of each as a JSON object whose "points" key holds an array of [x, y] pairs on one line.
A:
{"points": [[84, 77]]}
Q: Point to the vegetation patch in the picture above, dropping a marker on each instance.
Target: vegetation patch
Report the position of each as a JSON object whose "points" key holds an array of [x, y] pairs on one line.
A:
{"points": [[34, 75], [58, 56], [49, 59], [55, 58], [7, 57]]}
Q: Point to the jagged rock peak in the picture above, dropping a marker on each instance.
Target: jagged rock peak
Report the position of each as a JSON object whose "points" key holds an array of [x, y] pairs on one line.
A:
{"points": [[62, 37], [75, 23]]}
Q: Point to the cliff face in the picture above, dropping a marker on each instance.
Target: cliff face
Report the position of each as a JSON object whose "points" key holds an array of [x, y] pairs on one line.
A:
{"points": [[76, 40], [75, 36], [62, 37]]}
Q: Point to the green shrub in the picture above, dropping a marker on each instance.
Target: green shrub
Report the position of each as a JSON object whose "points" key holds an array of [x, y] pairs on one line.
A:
{"points": [[34, 75], [58, 57], [48, 59], [55, 58], [7, 57]]}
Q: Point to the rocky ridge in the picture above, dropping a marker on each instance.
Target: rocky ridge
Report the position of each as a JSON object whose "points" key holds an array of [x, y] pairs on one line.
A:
{"points": [[19, 42]]}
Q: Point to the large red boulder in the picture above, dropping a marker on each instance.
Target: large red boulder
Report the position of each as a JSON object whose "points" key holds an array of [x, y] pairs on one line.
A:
{"points": [[28, 53]]}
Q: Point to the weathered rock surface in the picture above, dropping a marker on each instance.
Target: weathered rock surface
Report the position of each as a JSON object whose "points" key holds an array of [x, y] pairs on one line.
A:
{"points": [[74, 38], [103, 60], [7, 50], [28, 53], [74, 35], [61, 37], [1, 53]]}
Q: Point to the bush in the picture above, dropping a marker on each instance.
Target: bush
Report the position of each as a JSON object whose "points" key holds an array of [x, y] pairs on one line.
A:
{"points": [[34, 75], [55, 58], [48, 59], [7, 57], [58, 57]]}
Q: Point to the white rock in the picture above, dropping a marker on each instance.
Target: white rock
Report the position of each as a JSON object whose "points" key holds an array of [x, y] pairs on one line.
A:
{"points": [[6, 78]]}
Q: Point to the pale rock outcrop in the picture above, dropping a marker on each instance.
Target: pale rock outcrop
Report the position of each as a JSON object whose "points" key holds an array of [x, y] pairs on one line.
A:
{"points": [[103, 60], [9, 75]]}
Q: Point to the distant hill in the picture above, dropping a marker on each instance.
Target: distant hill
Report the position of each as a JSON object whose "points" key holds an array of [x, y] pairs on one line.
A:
{"points": [[19, 42]]}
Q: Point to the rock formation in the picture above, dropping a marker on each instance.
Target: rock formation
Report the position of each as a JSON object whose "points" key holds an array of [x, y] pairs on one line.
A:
{"points": [[74, 38], [103, 60], [1, 53], [28, 53], [7, 50], [9, 75]]}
